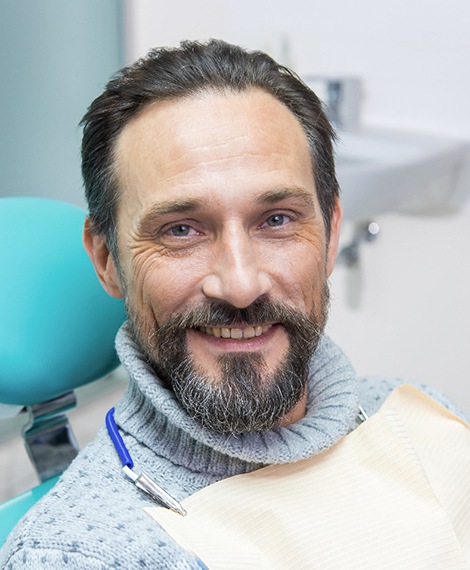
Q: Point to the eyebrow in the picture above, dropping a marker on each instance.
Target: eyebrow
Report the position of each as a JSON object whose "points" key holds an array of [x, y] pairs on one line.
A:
{"points": [[274, 196], [191, 205], [170, 207]]}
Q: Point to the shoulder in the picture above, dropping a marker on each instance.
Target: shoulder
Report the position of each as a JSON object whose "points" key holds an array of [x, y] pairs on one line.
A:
{"points": [[373, 391], [92, 518]]}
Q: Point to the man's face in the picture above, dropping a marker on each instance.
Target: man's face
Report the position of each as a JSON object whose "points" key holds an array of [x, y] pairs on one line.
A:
{"points": [[223, 257]]}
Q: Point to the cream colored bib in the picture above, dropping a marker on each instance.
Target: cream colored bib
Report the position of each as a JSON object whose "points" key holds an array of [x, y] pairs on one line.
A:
{"points": [[393, 494]]}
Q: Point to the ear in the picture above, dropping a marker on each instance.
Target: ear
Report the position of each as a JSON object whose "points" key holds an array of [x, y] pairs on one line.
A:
{"points": [[102, 260], [334, 236]]}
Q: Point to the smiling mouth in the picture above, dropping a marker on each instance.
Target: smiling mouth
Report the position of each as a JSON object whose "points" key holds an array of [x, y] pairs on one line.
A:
{"points": [[234, 332]]}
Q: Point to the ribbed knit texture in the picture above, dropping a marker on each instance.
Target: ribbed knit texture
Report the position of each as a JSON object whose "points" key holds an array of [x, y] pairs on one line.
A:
{"points": [[150, 411], [94, 519]]}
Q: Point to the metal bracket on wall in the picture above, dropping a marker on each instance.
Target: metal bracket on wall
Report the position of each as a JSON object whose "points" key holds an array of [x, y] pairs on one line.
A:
{"points": [[349, 255]]}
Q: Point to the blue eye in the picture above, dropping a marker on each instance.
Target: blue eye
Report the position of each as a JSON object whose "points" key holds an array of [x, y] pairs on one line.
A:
{"points": [[181, 230], [277, 220]]}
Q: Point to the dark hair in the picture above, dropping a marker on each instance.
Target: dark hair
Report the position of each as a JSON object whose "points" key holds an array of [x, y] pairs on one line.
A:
{"points": [[173, 73]]}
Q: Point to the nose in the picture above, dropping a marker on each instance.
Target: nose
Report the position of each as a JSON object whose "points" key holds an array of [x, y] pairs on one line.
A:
{"points": [[235, 275]]}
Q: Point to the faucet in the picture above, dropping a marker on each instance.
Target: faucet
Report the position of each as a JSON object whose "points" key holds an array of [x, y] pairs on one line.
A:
{"points": [[341, 97]]}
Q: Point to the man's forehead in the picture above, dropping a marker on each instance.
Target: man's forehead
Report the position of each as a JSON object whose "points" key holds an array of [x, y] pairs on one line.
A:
{"points": [[178, 150], [203, 110]]}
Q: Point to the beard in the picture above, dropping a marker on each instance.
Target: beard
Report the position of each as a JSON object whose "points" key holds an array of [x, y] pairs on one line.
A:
{"points": [[245, 396]]}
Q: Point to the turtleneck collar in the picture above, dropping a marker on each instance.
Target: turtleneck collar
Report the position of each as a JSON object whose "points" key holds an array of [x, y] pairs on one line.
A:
{"points": [[153, 416]]}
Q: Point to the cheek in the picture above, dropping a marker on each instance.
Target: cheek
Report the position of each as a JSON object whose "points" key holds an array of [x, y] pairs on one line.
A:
{"points": [[312, 236], [308, 280], [299, 268], [161, 284]]}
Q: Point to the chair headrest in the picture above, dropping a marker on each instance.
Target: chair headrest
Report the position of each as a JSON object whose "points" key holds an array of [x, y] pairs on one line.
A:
{"points": [[57, 324]]}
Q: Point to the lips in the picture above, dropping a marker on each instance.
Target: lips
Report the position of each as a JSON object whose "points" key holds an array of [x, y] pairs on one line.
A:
{"points": [[234, 332]]}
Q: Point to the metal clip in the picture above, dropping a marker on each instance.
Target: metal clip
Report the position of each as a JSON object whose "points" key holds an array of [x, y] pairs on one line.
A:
{"points": [[144, 482], [361, 416]]}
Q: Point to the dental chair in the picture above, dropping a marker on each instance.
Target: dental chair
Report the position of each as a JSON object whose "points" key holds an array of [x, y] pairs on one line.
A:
{"points": [[57, 330]]}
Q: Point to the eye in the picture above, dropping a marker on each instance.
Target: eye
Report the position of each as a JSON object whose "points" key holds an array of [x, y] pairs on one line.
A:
{"points": [[180, 230], [277, 220]]}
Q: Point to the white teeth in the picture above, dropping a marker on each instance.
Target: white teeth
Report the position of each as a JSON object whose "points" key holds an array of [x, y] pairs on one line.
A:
{"points": [[249, 332], [235, 333]]}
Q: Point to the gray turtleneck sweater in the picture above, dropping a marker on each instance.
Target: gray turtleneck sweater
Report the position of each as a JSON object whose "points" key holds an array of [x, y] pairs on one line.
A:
{"points": [[94, 519]]}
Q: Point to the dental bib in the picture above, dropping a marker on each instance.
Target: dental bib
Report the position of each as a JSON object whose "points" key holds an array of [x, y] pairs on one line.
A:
{"points": [[394, 493]]}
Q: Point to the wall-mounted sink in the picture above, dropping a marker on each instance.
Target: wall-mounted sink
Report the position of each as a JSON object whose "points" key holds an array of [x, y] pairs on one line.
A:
{"points": [[382, 171]]}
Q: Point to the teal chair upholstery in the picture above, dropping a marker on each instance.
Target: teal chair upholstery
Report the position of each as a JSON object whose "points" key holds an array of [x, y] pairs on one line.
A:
{"points": [[57, 325], [12, 510]]}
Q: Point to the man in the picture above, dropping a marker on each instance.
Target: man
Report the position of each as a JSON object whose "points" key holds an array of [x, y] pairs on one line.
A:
{"points": [[214, 212]]}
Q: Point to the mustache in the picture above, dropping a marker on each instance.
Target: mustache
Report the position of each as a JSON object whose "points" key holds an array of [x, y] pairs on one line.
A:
{"points": [[219, 313], [216, 313]]}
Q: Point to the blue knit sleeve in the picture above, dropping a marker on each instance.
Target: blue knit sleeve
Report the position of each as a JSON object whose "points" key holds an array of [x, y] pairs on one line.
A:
{"points": [[373, 391]]}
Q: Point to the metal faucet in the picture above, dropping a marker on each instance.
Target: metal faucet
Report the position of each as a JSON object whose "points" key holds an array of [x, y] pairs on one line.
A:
{"points": [[341, 97]]}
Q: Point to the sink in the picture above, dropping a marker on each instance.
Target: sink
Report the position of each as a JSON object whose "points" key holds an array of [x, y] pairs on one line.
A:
{"points": [[382, 171]]}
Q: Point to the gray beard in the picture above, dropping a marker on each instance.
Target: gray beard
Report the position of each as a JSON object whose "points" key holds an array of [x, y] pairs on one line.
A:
{"points": [[245, 397]]}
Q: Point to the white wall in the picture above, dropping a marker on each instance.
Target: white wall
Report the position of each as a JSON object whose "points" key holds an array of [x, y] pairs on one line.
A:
{"points": [[414, 318], [412, 54]]}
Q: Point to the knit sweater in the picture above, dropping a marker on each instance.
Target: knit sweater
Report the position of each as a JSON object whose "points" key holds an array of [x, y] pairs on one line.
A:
{"points": [[94, 519]]}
